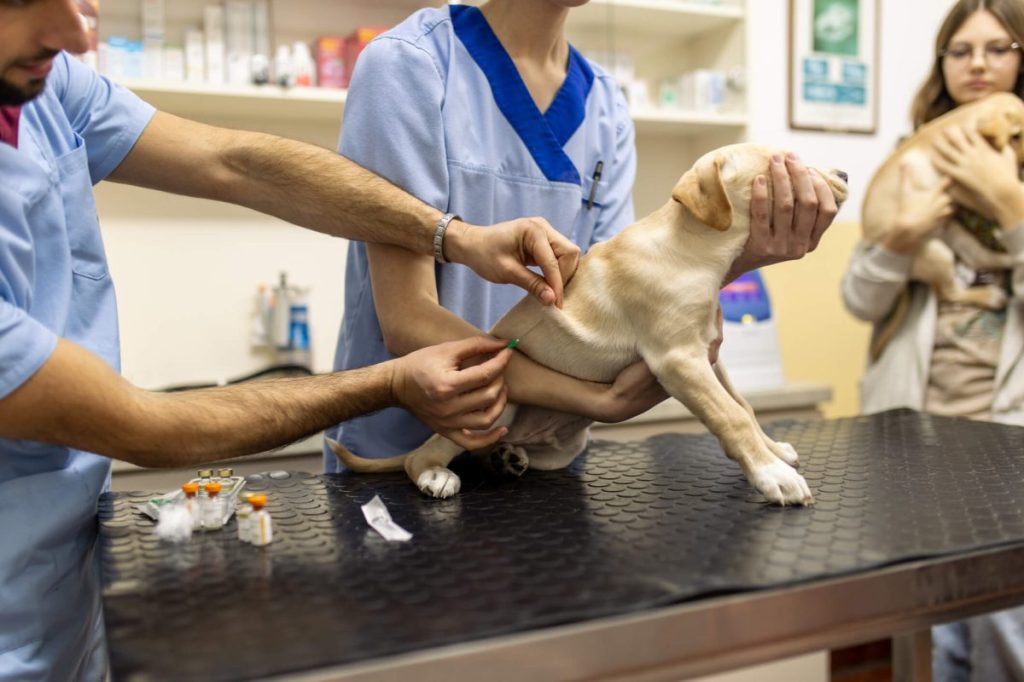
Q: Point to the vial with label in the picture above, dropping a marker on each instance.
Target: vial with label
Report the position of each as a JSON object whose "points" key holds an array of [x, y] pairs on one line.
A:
{"points": [[191, 491], [212, 507], [243, 515], [262, 528]]}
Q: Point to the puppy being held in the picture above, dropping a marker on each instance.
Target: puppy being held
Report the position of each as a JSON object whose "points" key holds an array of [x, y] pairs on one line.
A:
{"points": [[650, 293], [910, 174]]}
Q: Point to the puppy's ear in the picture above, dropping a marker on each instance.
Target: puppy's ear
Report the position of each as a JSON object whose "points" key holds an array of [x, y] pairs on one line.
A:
{"points": [[703, 193], [996, 127]]}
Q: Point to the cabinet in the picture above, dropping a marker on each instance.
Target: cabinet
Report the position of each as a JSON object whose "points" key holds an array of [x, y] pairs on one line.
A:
{"points": [[187, 269]]}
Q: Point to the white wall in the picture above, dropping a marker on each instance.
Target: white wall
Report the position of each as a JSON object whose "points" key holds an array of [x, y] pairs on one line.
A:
{"points": [[907, 29]]}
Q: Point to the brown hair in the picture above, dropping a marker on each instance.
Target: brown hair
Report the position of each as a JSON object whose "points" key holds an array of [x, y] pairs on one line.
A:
{"points": [[932, 99]]}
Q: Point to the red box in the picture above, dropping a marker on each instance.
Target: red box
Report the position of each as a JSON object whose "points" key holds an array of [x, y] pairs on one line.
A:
{"points": [[330, 62], [354, 44]]}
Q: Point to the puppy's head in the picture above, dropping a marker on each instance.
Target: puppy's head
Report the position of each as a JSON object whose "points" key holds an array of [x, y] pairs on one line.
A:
{"points": [[717, 189], [1001, 122]]}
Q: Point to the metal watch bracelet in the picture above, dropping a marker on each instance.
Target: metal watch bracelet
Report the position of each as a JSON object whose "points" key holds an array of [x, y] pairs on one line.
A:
{"points": [[442, 227]]}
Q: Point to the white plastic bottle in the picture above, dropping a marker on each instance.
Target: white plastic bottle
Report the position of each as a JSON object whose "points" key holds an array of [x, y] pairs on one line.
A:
{"points": [[302, 65], [283, 73]]}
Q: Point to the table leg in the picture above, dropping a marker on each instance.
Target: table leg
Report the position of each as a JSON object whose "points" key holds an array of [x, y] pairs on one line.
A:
{"points": [[912, 657]]}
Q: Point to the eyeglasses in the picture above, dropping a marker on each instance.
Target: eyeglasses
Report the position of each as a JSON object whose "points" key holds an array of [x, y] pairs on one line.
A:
{"points": [[994, 53]]}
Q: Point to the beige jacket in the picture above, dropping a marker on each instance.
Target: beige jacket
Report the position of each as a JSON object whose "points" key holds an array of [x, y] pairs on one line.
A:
{"points": [[899, 378]]}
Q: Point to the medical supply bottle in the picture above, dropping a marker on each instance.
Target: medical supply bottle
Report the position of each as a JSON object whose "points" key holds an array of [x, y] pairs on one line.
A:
{"points": [[262, 528], [212, 507], [191, 491], [243, 515]]}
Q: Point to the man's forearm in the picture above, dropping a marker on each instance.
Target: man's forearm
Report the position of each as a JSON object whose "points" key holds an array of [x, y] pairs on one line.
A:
{"points": [[218, 423], [75, 399], [272, 175], [297, 182]]}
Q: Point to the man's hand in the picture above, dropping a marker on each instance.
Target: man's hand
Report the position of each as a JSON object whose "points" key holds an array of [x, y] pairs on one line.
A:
{"points": [[791, 225], [501, 253], [450, 400]]}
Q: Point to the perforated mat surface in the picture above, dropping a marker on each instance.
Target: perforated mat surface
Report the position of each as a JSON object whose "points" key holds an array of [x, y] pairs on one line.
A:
{"points": [[630, 526]]}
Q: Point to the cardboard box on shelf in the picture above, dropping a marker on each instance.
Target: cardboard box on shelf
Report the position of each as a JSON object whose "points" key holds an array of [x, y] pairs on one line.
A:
{"points": [[330, 62]]}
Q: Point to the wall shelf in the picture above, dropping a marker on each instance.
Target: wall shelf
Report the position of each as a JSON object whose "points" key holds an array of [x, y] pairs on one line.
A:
{"points": [[199, 101], [667, 18]]}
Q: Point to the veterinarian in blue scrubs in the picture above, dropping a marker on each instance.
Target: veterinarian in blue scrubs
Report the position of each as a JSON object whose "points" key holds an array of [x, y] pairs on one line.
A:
{"points": [[487, 113], [63, 128], [957, 359]]}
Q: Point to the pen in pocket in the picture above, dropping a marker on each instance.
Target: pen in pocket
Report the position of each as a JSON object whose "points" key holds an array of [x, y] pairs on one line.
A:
{"points": [[593, 185]]}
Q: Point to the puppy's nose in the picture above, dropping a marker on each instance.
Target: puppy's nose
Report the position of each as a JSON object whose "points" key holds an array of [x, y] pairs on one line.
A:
{"points": [[842, 175]]}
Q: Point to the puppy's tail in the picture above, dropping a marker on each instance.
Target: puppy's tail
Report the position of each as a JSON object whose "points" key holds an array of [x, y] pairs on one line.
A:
{"points": [[364, 465], [890, 325]]}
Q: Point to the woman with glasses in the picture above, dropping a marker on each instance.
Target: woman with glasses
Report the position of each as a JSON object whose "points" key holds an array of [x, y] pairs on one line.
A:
{"points": [[951, 358]]}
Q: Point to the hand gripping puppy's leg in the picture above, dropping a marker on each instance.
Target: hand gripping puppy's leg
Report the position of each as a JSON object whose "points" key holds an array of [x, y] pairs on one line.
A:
{"points": [[689, 378]]}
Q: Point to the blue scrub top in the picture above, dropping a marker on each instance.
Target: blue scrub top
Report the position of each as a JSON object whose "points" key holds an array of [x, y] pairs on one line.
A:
{"points": [[437, 106], [54, 283]]}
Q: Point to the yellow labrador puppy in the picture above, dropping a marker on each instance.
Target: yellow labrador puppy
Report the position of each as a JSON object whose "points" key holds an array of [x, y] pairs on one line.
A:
{"points": [[999, 118], [650, 292]]}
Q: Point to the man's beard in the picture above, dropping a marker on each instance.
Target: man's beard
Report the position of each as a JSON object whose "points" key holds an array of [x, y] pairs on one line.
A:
{"points": [[11, 95]]}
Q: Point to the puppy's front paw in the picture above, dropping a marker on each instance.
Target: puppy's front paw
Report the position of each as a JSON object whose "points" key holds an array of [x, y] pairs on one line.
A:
{"points": [[787, 453], [438, 482], [781, 484]]}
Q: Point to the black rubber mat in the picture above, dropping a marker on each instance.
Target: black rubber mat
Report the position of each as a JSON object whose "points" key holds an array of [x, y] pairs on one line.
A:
{"points": [[630, 526]]}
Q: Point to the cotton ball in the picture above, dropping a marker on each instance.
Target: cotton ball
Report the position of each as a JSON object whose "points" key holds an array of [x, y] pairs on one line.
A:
{"points": [[175, 524]]}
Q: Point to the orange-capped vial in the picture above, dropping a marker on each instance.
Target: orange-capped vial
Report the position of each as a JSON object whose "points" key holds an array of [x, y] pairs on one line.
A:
{"points": [[262, 532], [212, 507]]}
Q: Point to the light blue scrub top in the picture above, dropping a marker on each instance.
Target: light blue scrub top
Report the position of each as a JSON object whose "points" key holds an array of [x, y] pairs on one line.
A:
{"points": [[54, 283], [437, 107]]}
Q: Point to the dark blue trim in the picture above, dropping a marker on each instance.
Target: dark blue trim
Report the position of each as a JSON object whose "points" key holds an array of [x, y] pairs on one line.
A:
{"points": [[565, 115], [544, 136]]}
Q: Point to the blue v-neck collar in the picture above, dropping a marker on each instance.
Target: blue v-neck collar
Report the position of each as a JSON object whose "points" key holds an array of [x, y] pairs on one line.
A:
{"points": [[544, 134]]}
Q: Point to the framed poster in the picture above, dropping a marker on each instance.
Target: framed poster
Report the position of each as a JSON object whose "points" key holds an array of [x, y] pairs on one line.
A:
{"points": [[833, 65]]}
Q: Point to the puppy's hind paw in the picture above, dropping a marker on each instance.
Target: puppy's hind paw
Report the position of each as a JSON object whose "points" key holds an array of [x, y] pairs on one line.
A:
{"points": [[438, 482], [781, 484], [508, 460]]}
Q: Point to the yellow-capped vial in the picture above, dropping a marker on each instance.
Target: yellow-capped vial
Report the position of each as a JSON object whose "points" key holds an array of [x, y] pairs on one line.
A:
{"points": [[225, 473], [262, 528]]}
